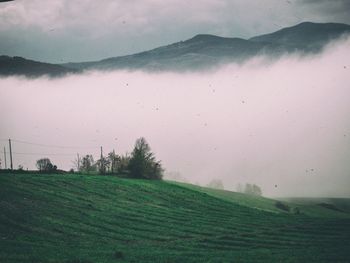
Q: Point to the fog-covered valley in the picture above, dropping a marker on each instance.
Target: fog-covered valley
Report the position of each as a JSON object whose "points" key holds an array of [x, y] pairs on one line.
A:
{"points": [[283, 125]]}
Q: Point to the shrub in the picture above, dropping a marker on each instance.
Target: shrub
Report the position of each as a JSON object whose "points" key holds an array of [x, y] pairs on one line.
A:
{"points": [[296, 210], [282, 206]]}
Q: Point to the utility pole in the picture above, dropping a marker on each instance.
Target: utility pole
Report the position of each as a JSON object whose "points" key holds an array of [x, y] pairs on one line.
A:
{"points": [[113, 160], [78, 162], [102, 168], [5, 157], [11, 155]]}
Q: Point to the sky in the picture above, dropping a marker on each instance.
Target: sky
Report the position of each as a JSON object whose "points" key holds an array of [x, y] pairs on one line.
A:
{"points": [[60, 31], [283, 124]]}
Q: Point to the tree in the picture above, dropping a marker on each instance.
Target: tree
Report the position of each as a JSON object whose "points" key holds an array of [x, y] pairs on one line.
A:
{"points": [[87, 164], [252, 189], [216, 184], [76, 164], [257, 190], [239, 188], [143, 163], [103, 164], [113, 160], [45, 165], [118, 163], [123, 163]]}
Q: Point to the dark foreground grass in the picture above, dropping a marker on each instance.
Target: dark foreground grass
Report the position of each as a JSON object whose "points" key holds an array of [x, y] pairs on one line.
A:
{"points": [[75, 218]]}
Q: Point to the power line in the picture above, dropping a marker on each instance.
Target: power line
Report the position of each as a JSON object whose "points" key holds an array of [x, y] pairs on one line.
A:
{"points": [[58, 154], [55, 146]]}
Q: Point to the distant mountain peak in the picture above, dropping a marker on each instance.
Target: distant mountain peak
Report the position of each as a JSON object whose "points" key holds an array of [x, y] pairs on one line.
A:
{"points": [[20, 66], [305, 33], [206, 38], [202, 51]]}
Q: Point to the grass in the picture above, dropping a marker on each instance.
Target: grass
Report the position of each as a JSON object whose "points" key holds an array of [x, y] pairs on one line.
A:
{"points": [[316, 207], [251, 201], [78, 218]]}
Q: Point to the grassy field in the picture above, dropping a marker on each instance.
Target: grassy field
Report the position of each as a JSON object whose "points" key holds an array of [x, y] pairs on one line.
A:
{"points": [[319, 207], [79, 218]]}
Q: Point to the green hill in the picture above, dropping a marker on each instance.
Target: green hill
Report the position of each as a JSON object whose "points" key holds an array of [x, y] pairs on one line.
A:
{"points": [[316, 207], [78, 218], [251, 201]]}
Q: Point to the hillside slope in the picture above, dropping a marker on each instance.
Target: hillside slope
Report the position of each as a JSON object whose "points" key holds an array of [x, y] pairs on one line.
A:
{"points": [[10, 66], [307, 36], [316, 207], [207, 51], [201, 52], [76, 218]]}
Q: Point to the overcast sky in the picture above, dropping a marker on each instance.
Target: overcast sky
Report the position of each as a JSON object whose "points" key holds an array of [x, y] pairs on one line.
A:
{"points": [[81, 30]]}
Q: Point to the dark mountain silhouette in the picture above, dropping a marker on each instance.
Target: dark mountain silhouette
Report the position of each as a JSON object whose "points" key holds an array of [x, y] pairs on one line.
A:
{"points": [[29, 68], [205, 51], [200, 52], [306, 36]]}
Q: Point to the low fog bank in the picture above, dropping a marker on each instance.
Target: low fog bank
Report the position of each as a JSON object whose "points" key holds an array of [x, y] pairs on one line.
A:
{"points": [[284, 126]]}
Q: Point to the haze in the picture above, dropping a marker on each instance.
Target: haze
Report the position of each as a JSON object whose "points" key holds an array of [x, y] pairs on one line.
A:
{"points": [[283, 125]]}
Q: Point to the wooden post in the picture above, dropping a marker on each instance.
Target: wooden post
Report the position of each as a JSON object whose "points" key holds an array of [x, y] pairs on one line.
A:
{"points": [[10, 155], [5, 157]]}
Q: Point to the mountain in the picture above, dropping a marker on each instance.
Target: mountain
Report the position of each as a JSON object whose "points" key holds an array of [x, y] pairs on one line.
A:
{"points": [[306, 36], [205, 51], [20, 66], [200, 52]]}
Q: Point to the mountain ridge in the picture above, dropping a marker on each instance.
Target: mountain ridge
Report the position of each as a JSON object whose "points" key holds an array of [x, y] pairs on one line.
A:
{"points": [[203, 51]]}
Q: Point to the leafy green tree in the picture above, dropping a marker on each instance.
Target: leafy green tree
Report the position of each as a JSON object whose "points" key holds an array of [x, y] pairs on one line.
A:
{"points": [[113, 161], [123, 163], [87, 164], [239, 188], [45, 165], [257, 190], [143, 163], [103, 164], [252, 189], [216, 184]]}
